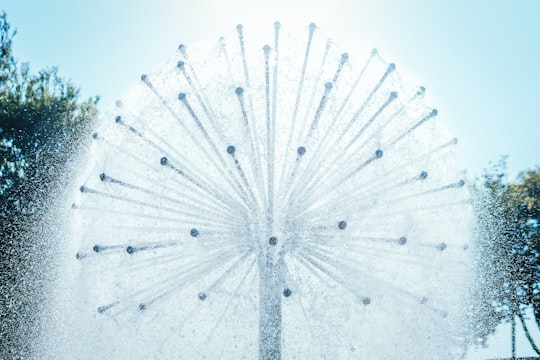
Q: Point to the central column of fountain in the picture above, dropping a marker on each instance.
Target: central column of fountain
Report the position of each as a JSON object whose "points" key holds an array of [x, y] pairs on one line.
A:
{"points": [[271, 258]]}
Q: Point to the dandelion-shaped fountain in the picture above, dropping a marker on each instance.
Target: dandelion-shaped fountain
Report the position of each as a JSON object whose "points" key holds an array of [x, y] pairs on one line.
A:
{"points": [[280, 200]]}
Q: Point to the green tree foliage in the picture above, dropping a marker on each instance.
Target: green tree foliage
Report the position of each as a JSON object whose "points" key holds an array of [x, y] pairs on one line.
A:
{"points": [[39, 115], [509, 233], [42, 119]]}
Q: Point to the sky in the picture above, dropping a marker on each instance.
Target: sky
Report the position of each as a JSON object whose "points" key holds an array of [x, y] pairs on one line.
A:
{"points": [[479, 60]]}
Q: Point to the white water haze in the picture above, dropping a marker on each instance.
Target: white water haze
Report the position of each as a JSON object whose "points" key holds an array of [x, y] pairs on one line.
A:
{"points": [[270, 195]]}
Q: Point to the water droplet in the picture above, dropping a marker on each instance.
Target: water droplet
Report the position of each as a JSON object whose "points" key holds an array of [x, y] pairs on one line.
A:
{"points": [[366, 301]]}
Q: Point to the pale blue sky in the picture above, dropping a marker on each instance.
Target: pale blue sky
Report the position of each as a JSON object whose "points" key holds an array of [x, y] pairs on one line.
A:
{"points": [[478, 59]]}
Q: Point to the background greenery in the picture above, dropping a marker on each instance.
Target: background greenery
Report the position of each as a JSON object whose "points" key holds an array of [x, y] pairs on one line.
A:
{"points": [[42, 119], [508, 232]]}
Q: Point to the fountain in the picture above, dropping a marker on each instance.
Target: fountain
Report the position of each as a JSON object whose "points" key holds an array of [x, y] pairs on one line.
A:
{"points": [[272, 199]]}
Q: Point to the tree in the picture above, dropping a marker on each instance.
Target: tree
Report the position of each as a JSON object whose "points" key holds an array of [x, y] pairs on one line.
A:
{"points": [[42, 120], [39, 115], [509, 260]]}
